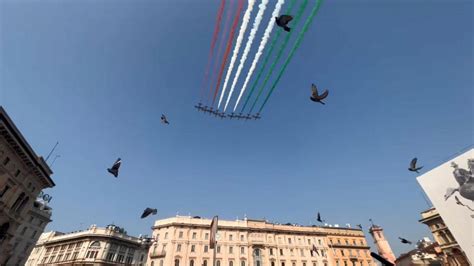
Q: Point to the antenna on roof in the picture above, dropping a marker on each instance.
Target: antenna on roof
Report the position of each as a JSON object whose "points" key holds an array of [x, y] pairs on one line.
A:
{"points": [[47, 157], [54, 160]]}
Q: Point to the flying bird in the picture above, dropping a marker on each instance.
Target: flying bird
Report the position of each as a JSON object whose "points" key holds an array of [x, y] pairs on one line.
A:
{"points": [[316, 97], [319, 218], [149, 211], [115, 168], [404, 241], [283, 20], [164, 120], [314, 249], [413, 167]]}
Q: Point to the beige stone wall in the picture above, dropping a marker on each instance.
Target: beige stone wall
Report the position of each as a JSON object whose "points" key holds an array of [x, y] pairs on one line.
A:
{"points": [[185, 240]]}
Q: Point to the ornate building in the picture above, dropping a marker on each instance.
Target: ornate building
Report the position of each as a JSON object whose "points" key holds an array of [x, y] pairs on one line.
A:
{"points": [[94, 246], [28, 234], [22, 176], [452, 253], [425, 253], [383, 247], [183, 241]]}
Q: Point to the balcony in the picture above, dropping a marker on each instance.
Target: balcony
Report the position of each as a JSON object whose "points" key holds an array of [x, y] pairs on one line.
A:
{"points": [[157, 254]]}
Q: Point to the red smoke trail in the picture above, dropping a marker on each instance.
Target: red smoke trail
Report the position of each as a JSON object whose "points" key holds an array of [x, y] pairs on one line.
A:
{"points": [[213, 43], [221, 44], [229, 46]]}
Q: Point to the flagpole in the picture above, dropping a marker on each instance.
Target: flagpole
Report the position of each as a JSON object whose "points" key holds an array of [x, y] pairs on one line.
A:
{"points": [[214, 255]]}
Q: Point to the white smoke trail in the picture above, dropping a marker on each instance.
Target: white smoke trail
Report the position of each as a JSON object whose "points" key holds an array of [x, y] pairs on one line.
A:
{"points": [[262, 45], [238, 43], [256, 24]]}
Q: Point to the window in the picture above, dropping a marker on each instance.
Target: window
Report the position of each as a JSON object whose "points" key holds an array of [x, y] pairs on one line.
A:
{"points": [[193, 248], [66, 256], [289, 240], [230, 237], [291, 252], [191, 263], [345, 263], [309, 241], [6, 161], [4, 190], [231, 250], [194, 235], [23, 231], [166, 235], [302, 252], [176, 262], [347, 242], [110, 256], [282, 264], [342, 252], [271, 251], [74, 255], [242, 250], [204, 263], [18, 201], [180, 234], [218, 249], [206, 236], [129, 259], [273, 263], [218, 263], [152, 263], [242, 239], [178, 248], [51, 259], [242, 263], [161, 262], [281, 252], [319, 241], [206, 248], [231, 263]]}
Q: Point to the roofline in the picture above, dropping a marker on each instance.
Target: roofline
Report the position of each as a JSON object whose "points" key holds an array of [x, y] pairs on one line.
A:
{"points": [[39, 161]]}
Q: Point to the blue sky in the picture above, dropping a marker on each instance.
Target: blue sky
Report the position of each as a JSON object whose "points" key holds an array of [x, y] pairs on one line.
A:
{"points": [[96, 76]]}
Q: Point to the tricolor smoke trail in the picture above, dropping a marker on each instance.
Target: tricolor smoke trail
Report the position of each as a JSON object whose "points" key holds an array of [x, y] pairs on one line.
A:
{"points": [[267, 57], [221, 45], [292, 52], [213, 44], [238, 43], [256, 24], [227, 49], [280, 52]]}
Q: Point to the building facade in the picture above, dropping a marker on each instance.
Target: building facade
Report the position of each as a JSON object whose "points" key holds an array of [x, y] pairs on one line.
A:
{"points": [[23, 175], [29, 232], [383, 247], [347, 246], [452, 252], [181, 241], [94, 246]]}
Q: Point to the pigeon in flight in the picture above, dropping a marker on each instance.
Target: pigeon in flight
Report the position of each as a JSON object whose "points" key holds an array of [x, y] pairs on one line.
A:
{"points": [[164, 120], [283, 20], [315, 250], [319, 218], [115, 168], [316, 97], [404, 241], [413, 167], [149, 211]]}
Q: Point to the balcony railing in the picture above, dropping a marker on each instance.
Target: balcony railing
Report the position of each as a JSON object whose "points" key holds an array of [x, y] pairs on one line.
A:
{"points": [[157, 254]]}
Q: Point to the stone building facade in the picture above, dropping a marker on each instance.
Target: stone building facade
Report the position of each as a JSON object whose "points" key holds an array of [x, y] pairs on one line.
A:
{"points": [[181, 241], [23, 175], [452, 252], [94, 246], [383, 247]]}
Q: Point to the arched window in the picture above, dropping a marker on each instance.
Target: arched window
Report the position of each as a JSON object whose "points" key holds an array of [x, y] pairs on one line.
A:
{"points": [[95, 244], [257, 252], [152, 263], [176, 262], [242, 263], [191, 263], [218, 263], [205, 263], [273, 263], [231, 263]]}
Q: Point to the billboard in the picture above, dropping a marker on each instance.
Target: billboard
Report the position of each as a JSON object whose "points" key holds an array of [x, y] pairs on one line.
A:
{"points": [[450, 188]]}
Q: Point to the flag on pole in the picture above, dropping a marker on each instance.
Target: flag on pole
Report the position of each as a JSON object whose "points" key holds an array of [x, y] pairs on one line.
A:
{"points": [[212, 238]]}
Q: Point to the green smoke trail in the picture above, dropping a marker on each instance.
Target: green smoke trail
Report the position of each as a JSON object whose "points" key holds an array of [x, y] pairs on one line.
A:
{"points": [[280, 52], [297, 44], [265, 61]]}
